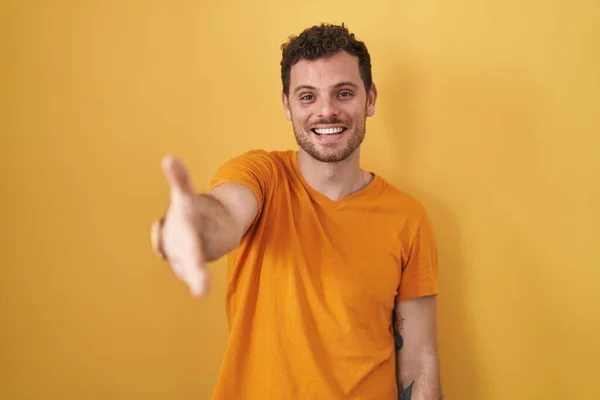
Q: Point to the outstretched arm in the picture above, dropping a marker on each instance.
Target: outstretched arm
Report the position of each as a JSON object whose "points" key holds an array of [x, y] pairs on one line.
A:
{"points": [[416, 349], [200, 228]]}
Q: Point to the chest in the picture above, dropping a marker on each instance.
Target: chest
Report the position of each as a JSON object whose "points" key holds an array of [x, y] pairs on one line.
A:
{"points": [[348, 253]]}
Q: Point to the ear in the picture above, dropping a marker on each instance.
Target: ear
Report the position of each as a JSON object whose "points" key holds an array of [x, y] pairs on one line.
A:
{"points": [[286, 106], [371, 100]]}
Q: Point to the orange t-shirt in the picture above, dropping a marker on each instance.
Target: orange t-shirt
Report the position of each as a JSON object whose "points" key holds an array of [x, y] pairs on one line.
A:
{"points": [[313, 284]]}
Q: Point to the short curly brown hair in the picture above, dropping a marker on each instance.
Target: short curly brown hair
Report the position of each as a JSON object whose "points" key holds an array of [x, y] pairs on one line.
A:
{"points": [[321, 41]]}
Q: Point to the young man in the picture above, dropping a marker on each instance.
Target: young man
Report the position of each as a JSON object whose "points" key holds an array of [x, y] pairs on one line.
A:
{"points": [[332, 270]]}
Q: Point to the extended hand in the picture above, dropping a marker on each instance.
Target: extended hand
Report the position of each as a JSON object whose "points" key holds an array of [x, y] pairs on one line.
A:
{"points": [[177, 238]]}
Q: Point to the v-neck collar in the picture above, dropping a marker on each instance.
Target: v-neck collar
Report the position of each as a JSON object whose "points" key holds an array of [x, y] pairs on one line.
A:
{"points": [[369, 189]]}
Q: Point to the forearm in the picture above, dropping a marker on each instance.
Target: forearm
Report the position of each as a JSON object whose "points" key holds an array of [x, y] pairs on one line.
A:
{"points": [[420, 380], [219, 230]]}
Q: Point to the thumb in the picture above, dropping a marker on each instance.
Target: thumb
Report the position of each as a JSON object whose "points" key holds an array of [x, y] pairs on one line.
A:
{"points": [[177, 176]]}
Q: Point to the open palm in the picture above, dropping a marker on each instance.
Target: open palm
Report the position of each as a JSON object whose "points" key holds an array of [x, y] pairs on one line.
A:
{"points": [[178, 237]]}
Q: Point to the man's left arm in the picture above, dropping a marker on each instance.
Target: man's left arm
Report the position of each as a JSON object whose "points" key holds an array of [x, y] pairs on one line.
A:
{"points": [[418, 371]]}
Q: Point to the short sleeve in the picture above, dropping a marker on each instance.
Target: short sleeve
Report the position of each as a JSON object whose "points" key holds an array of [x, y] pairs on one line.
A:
{"points": [[420, 272], [253, 169]]}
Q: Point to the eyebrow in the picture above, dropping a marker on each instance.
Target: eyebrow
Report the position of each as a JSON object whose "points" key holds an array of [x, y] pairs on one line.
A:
{"points": [[337, 85]]}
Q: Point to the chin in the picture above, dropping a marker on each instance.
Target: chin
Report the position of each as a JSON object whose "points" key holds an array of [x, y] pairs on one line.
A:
{"points": [[329, 156]]}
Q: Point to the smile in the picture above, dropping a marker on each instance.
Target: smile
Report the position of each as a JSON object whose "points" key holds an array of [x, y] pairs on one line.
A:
{"points": [[328, 131]]}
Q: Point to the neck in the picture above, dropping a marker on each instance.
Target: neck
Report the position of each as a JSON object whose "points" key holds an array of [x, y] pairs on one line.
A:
{"points": [[333, 180]]}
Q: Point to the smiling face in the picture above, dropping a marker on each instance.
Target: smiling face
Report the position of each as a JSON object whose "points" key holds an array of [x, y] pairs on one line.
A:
{"points": [[328, 106]]}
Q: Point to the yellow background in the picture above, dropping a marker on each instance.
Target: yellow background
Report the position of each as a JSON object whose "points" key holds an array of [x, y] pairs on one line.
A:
{"points": [[489, 113]]}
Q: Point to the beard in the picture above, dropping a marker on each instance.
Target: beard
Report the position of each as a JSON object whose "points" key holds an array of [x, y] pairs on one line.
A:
{"points": [[329, 152]]}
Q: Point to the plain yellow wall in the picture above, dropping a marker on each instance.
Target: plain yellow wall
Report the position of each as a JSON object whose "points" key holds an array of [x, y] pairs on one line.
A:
{"points": [[489, 113]]}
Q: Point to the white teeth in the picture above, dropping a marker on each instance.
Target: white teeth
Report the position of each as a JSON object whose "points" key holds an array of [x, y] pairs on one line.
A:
{"points": [[329, 131]]}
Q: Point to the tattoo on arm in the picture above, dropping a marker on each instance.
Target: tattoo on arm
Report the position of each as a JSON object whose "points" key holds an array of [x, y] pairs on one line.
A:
{"points": [[397, 328], [399, 341], [406, 393]]}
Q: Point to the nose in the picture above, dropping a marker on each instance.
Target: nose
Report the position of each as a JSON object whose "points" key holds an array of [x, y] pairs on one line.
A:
{"points": [[327, 108]]}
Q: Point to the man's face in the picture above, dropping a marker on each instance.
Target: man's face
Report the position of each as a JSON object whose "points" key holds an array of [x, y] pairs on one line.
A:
{"points": [[328, 106]]}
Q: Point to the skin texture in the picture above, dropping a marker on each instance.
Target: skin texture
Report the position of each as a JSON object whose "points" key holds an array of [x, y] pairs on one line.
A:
{"points": [[416, 349], [329, 92]]}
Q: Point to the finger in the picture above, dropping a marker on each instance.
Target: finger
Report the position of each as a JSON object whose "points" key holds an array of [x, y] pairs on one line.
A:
{"points": [[192, 271], [156, 238], [189, 263], [198, 281], [177, 176]]}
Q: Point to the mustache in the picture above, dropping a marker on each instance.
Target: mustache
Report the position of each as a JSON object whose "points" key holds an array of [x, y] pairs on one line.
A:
{"points": [[328, 121]]}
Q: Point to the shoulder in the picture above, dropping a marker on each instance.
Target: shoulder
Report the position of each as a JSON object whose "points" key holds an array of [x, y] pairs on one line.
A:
{"points": [[256, 167], [260, 157], [410, 219], [401, 202]]}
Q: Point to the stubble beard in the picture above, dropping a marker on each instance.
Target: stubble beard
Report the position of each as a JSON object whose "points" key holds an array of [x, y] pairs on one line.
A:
{"points": [[325, 153]]}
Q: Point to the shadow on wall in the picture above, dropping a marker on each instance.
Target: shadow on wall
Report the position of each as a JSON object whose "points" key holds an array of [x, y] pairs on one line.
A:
{"points": [[505, 149], [490, 202], [460, 373]]}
